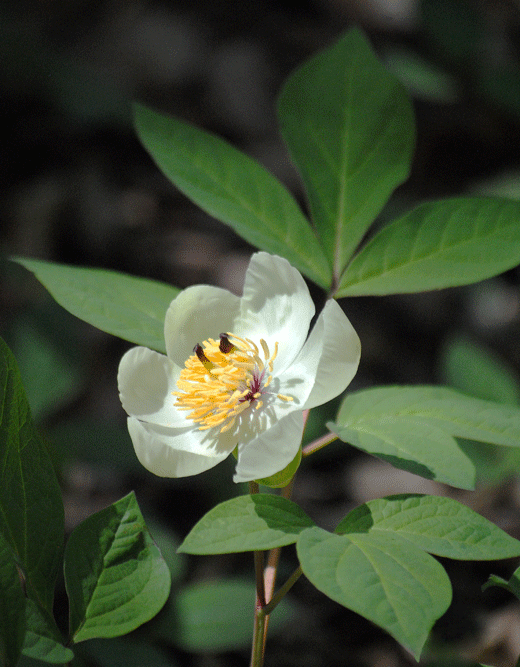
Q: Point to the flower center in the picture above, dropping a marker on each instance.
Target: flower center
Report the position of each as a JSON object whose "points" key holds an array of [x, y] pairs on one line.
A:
{"points": [[222, 379]]}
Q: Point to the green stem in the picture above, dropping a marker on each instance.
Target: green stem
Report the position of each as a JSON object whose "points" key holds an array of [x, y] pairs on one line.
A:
{"points": [[257, 651], [262, 618], [259, 576], [334, 286]]}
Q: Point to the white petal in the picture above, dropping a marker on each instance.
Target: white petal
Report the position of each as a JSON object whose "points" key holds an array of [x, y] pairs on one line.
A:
{"points": [[276, 306], [146, 380], [271, 451], [197, 313], [339, 359], [154, 450], [297, 381]]}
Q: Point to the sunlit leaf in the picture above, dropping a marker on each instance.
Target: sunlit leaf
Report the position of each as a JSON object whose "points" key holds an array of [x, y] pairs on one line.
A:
{"points": [[122, 305], [115, 576], [381, 576], [348, 124], [233, 188], [438, 525], [247, 523], [438, 244], [414, 428]]}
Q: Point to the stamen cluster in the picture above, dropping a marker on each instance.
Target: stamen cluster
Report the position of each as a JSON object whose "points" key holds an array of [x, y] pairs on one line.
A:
{"points": [[222, 379]]}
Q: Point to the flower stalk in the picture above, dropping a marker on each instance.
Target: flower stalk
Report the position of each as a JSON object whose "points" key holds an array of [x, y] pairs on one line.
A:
{"points": [[266, 600], [319, 443]]}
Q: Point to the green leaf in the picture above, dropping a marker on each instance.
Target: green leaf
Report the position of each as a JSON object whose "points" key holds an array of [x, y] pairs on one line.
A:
{"points": [[438, 244], [168, 544], [122, 305], [42, 639], [441, 526], [31, 508], [216, 616], [348, 124], [247, 523], [474, 370], [504, 184], [422, 78], [115, 576], [513, 585], [233, 188], [414, 428], [50, 379], [12, 608], [493, 463], [381, 576]]}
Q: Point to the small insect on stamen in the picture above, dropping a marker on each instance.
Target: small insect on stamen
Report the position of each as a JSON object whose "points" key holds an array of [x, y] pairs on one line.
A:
{"points": [[226, 346], [208, 365]]}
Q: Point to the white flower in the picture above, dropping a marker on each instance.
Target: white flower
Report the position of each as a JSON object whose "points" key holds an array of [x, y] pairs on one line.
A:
{"points": [[238, 373]]}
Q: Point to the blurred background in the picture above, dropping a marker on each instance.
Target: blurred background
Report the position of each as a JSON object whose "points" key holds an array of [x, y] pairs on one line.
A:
{"points": [[77, 187]]}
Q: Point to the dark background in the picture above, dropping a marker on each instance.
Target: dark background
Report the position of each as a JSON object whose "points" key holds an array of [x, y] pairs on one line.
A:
{"points": [[77, 187]]}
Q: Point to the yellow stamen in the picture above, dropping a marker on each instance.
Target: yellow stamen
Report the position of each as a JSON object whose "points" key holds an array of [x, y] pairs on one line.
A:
{"points": [[221, 379]]}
